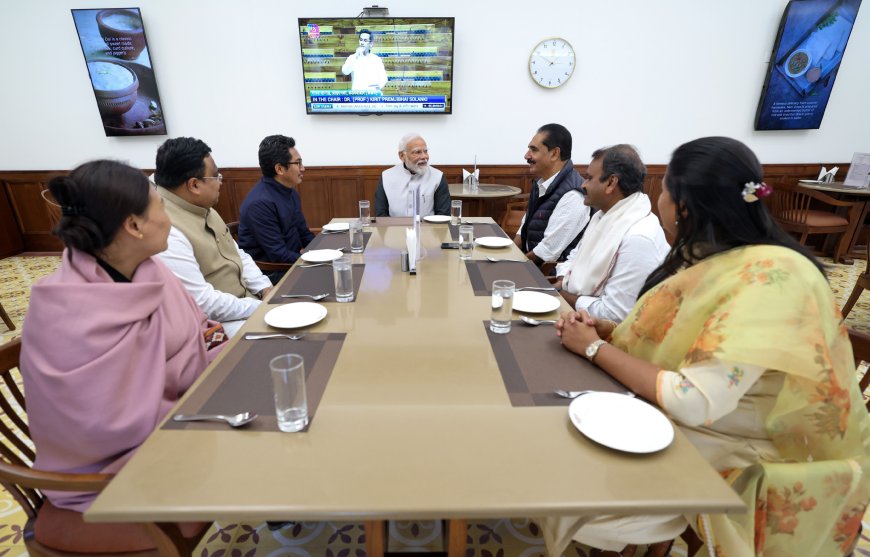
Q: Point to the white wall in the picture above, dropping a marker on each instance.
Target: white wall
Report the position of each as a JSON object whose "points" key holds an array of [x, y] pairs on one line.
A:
{"points": [[654, 74]]}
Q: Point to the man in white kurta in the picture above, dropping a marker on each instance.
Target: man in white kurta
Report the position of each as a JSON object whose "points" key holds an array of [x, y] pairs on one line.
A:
{"points": [[623, 243], [366, 66], [394, 196]]}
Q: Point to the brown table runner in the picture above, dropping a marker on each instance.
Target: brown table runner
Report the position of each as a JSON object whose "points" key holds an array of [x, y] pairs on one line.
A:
{"points": [[335, 240], [533, 362], [242, 381], [482, 272], [481, 229], [314, 280]]}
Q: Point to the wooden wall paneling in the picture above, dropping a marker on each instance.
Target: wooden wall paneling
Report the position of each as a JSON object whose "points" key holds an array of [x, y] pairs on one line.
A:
{"points": [[11, 240], [345, 194], [326, 192]]}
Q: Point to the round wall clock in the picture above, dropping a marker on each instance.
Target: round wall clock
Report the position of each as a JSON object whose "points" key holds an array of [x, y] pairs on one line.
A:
{"points": [[551, 63]]}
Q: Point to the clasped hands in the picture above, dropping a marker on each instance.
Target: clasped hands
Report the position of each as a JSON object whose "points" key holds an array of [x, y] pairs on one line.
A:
{"points": [[577, 330]]}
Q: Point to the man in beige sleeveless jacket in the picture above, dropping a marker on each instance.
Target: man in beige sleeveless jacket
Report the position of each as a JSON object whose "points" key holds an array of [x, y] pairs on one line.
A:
{"points": [[223, 279]]}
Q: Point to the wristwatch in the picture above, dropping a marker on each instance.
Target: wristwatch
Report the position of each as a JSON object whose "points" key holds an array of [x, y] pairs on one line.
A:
{"points": [[592, 349]]}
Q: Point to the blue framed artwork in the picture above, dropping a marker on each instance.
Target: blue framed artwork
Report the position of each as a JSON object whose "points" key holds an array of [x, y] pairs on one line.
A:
{"points": [[806, 56]]}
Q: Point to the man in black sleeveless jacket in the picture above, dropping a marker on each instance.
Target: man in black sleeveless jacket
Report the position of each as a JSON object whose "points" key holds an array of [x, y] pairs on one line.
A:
{"points": [[556, 216]]}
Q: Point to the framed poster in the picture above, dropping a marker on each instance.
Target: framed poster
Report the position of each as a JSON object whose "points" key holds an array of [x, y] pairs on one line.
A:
{"points": [[116, 53], [807, 53]]}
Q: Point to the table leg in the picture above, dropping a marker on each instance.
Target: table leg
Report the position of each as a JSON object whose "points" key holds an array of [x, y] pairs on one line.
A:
{"points": [[457, 537], [376, 535]]}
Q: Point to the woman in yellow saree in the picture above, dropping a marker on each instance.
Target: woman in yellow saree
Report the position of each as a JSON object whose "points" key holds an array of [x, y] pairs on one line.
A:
{"points": [[737, 337]]}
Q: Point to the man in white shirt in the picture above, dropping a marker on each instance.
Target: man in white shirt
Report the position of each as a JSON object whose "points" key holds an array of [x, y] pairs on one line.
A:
{"points": [[394, 195], [223, 280], [624, 242], [556, 216], [366, 66]]}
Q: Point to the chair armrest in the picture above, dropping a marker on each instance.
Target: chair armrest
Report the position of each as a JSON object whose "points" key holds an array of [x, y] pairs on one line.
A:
{"points": [[827, 199], [58, 481]]}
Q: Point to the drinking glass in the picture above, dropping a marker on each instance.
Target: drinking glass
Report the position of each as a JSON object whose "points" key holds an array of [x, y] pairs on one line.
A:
{"points": [[288, 382], [466, 241], [357, 240], [455, 211], [502, 306], [365, 212], [342, 272]]}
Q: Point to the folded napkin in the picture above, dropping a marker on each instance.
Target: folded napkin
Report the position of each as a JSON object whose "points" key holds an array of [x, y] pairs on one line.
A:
{"points": [[827, 176], [471, 178]]}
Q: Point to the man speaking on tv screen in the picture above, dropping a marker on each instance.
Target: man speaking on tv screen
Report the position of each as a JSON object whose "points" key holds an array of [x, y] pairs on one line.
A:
{"points": [[366, 66]]}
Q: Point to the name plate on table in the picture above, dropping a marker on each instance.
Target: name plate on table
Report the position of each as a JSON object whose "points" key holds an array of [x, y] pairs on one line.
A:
{"points": [[313, 281], [480, 229], [241, 382], [481, 273], [533, 363]]}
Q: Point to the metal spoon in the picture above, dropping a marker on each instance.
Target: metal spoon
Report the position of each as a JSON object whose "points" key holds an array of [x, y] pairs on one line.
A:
{"points": [[235, 421], [575, 394], [546, 288], [314, 265], [260, 336], [314, 297], [496, 259], [536, 322], [333, 231]]}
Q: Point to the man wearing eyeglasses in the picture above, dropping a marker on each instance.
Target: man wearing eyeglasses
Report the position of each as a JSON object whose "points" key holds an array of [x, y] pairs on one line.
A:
{"points": [[271, 224], [394, 196], [223, 280]]}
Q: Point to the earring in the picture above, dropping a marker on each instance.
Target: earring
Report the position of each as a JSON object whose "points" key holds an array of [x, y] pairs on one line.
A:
{"points": [[141, 235]]}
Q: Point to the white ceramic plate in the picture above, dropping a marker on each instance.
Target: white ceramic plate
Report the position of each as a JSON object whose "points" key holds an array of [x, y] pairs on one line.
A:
{"points": [[336, 226], [493, 241], [437, 218], [529, 301], [621, 422], [298, 314], [321, 255]]}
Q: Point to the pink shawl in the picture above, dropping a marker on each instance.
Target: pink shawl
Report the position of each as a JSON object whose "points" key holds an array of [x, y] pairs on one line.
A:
{"points": [[103, 362]]}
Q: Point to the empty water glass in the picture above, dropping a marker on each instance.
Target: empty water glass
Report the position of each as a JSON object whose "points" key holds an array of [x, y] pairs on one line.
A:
{"points": [[357, 240], [365, 212], [466, 241], [502, 306], [342, 272], [455, 211], [288, 382]]}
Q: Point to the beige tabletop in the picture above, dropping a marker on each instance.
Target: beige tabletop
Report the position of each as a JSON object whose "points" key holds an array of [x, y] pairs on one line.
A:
{"points": [[415, 422], [484, 191], [835, 187]]}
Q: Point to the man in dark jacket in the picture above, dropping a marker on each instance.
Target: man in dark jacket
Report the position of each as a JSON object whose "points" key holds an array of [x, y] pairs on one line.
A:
{"points": [[556, 216], [271, 224]]}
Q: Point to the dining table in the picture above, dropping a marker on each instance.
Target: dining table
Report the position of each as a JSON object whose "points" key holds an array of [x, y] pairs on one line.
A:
{"points": [[417, 411], [487, 200]]}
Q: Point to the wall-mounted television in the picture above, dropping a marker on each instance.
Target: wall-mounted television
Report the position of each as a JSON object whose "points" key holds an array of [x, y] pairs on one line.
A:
{"points": [[807, 54], [377, 65]]}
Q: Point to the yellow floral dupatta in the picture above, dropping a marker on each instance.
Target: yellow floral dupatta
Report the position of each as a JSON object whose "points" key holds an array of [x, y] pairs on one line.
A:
{"points": [[769, 306]]}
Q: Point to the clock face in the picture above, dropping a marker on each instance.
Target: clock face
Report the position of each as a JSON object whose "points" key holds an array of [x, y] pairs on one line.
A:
{"points": [[552, 63]]}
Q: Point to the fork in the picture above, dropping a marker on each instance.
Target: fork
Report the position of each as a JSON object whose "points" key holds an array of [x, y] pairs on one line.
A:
{"points": [[260, 336], [497, 260], [333, 231], [550, 288], [575, 394], [314, 265], [314, 297]]}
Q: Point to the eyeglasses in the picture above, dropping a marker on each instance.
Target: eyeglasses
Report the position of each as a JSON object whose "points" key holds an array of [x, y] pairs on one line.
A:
{"points": [[299, 162], [219, 178]]}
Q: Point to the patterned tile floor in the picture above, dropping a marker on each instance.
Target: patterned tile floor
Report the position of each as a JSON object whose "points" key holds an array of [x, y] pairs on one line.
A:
{"points": [[486, 538]]}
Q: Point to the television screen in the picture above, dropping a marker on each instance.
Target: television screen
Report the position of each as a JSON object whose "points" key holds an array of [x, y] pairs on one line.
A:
{"points": [[806, 56], [377, 65]]}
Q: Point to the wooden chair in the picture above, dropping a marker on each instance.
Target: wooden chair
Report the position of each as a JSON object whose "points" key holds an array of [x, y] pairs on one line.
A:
{"points": [[860, 284], [24, 483], [514, 213], [861, 351], [265, 266], [790, 207], [6, 319]]}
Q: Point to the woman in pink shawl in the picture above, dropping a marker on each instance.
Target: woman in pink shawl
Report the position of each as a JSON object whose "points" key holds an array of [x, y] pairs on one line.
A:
{"points": [[110, 343]]}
